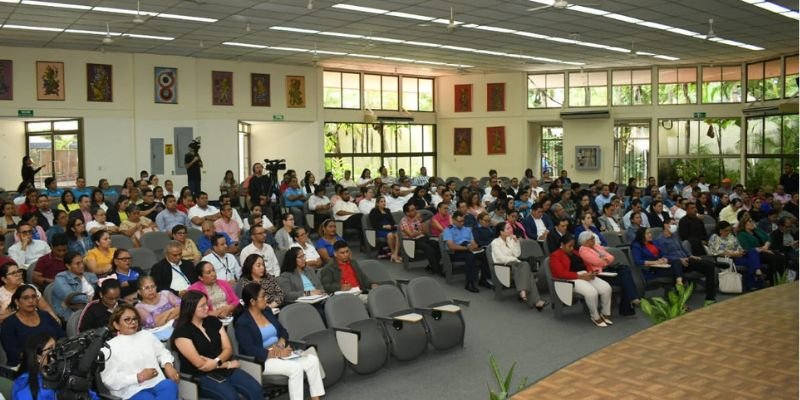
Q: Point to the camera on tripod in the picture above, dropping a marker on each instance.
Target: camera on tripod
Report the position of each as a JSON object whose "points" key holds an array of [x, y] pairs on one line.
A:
{"points": [[74, 362], [195, 144], [274, 166]]}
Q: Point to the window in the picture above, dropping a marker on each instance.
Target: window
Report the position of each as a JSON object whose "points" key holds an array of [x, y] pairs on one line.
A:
{"points": [[341, 89], [771, 142], [417, 94], [722, 84], [546, 90], [57, 146], [631, 87], [688, 147], [764, 80], [552, 146], [677, 85], [381, 92], [244, 150], [632, 151], [356, 146], [588, 89], [790, 76]]}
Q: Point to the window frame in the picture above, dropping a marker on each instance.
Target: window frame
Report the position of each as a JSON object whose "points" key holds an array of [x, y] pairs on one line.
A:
{"points": [[587, 89], [545, 88], [364, 91], [763, 80], [341, 89], [742, 94], [51, 134], [677, 82], [783, 75], [631, 85], [418, 78]]}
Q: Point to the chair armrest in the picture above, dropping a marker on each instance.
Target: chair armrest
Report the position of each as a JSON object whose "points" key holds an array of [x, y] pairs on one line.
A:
{"points": [[186, 377], [300, 344], [564, 290], [461, 302], [241, 357], [251, 367], [348, 330], [403, 281], [348, 339]]}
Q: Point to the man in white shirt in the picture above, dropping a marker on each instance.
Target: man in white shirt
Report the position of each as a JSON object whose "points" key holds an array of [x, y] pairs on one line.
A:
{"points": [[347, 211], [423, 177], [319, 205], [367, 203], [395, 201], [436, 195], [491, 184], [225, 264], [202, 211], [603, 198], [259, 235], [348, 181], [636, 208], [27, 250]]}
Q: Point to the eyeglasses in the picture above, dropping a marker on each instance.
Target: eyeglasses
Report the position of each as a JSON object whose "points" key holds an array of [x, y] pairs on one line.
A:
{"points": [[148, 287], [130, 320], [301, 255], [27, 232], [17, 272]]}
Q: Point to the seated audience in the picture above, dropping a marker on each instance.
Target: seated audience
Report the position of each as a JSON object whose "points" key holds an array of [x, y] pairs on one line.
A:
{"points": [[296, 280], [59, 226], [227, 224], [25, 322], [254, 271], [675, 254], [506, 250], [413, 228], [258, 246], [283, 237], [11, 277], [173, 273], [205, 352], [29, 383], [74, 287], [27, 250], [342, 272], [202, 211], [750, 237], [260, 335], [99, 259], [441, 220], [463, 248], [133, 369], [156, 308], [49, 265], [381, 220], [300, 237], [650, 257], [222, 301], [127, 275], [99, 223], [98, 312], [206, 241], [224, 263], [170, 216], [587, 224]]}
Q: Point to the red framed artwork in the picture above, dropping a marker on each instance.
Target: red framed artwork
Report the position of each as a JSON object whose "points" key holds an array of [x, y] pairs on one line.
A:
{"points": [[462, 141], [496, 140], [463, 98], [495, 97]]}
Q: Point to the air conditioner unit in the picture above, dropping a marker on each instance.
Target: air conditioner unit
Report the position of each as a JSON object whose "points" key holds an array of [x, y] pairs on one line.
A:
{"points": [[789, 107], [585, 114], [396, 119]]}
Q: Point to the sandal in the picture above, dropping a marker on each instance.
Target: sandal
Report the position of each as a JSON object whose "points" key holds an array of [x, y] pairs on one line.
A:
{"points": [[600, 323], [606, 319], [523, 296]]}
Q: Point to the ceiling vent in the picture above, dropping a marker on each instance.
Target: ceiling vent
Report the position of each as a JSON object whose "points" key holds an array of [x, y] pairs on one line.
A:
{"points": [[585, 114]]}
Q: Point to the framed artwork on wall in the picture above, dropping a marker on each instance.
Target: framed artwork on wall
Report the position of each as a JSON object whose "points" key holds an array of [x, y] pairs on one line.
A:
{"points": [[6, 80], [587, 157], [462, 141], [50, 80], [496, 140], [166, 85], [259, 90], [463, 98], [221, 88], [99, 83], [495, 97], [296, 91]]}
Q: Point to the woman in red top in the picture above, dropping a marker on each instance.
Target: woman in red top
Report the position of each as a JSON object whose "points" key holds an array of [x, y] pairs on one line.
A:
{"points": [[566, 265]]}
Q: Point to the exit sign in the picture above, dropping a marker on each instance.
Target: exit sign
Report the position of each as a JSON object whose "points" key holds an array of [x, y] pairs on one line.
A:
{"points": [[699, 115], [277, 117], [24, 113]]}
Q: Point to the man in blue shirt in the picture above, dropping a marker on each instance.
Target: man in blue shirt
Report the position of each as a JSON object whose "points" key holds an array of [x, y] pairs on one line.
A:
{"points": [[170, 216], [293, 198], [206, 242], [463, 247], [51, 188], [80, 188], [674, 252]]}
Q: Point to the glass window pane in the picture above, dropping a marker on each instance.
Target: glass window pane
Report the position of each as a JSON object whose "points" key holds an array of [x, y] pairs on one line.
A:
{"points": [[762, 171], [555, 80], [345, 137], [428, 138], [425, 94], [755, 133], [351, 81], [577, 97], [687, 75], [71, 125], [712, 74], [332, 93], [410, 96], [371, 163], [642, 76], [667, 75], [66, 157], [598, 96], [372, 91], [389, 138], [416, 138], [621, 77], [772, 79], [404, 163], [732, 73], [755, 81], [578, 79], [790, 134], [790, 72], [599, 78], [39, 126], [772, 134], [403, 139], [389, 93], [40, 149]]}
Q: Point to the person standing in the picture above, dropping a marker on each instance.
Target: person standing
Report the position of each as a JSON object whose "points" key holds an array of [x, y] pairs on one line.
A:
{"points": [[193, 164], [28, 174]]}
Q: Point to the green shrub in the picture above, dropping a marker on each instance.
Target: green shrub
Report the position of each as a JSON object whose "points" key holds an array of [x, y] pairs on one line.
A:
{"points": [[660, 310]]}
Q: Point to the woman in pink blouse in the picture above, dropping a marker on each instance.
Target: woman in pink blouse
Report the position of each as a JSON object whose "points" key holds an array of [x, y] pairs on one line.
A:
{"points": [[440, 220]]}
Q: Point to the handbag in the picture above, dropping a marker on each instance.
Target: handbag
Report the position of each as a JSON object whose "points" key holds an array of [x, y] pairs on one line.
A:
{"points": [[730, 281]]}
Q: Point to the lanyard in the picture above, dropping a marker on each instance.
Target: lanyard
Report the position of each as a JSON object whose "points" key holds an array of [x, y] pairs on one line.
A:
{"points": [[224, 262], [178, 270]]}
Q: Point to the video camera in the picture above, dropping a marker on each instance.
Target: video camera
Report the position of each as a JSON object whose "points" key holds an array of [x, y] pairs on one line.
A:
{"points": [[195, 144], [73, 364], [274, 165]]}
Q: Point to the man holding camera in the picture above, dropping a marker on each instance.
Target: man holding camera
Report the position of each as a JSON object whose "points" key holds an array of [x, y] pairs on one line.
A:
{"points": [[193, 163]]}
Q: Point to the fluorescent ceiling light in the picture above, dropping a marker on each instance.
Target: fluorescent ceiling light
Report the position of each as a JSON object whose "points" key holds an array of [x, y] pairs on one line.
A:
{"points": [[186, 18], [32, 28], [587, 10], [123, 11], [9, 1], [383, 39], [248, 45], [57, 5], [289, 29], [362, 55], [772, 7], [409, 16], [288, 49], [360, 9], [459, 48], [333, 53], [684, 32], [620, 17], [137, 36], [422, 44], [494, 29], [399, 59], [654, 25], [431, 62], [98, 33], [667, 58], [338, 34]]}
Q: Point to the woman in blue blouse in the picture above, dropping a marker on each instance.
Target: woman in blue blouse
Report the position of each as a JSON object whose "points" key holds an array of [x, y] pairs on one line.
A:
{"points": [[328, 236], [79, 240], [28, 385], [27, 321], [261, 336], [650, 257]]}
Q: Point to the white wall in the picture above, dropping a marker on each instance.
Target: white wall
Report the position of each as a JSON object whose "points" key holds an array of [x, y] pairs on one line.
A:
{"points": [[298, 142], [12, 137], [117, 134]]}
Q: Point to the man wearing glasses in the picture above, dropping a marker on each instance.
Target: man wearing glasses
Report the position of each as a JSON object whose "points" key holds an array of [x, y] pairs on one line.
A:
{"points": [[259, 246], [27, 250], [173, 273]]}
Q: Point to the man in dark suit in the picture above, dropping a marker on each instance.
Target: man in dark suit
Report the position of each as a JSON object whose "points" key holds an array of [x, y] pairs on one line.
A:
{"points": [[84, 211], [537, 224], [44, 214], [172, 273], [789, 179], [342, 272], [554, 238]]}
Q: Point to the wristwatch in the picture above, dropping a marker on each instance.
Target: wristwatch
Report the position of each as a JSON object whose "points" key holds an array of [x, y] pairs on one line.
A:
{"points": [[219, 362]]}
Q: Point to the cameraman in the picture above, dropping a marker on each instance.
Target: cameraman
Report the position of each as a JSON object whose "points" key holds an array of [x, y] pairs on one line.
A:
{"points": [[29, 383], [193, 164], [260, 190]]}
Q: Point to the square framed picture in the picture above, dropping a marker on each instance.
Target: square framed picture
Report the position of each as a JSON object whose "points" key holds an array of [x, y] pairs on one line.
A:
{"points": [[6, 80], [496, 140], [296, 91], [221, 88], [495, 97], [259, 90], [50, 80], [587, 157], [462, 141], [463, 98], [99, 83], [166, 85]]}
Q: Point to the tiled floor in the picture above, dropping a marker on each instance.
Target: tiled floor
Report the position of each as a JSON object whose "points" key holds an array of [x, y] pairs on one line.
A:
{"points": [[743, 348]]}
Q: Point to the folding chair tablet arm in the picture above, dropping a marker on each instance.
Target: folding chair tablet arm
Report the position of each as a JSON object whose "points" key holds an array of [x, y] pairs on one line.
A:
{"points": [[503, 273], [564, 290], [348, 339]]}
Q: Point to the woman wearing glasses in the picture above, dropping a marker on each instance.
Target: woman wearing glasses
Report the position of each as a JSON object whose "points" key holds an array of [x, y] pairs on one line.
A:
{"points": [[190, 251], [300, 236], [79, 240], [11, 278], [136, 359], [27, 321], [127, 275], [156, 309], [97, 313]]}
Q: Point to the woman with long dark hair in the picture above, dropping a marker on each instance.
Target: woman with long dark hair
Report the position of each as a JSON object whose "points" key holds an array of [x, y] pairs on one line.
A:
{"points": [[67, 202], [382, 221], [27, 321], [205, 352], [254, 271], [28, 174], [29, 382]]}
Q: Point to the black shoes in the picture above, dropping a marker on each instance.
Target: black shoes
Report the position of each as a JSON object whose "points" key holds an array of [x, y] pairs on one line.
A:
{"points": [[486, 284], [471, 287]]}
